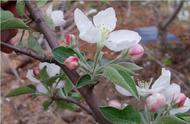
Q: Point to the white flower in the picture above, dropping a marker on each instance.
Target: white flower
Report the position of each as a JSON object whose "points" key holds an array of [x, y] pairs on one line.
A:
{"points": [[52, 70], [57, 16], [159, 85], [100, 30]]}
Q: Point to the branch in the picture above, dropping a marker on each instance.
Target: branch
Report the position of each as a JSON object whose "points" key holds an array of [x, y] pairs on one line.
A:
{"points": [[58, 98], [86, 92], [28, 52], [173, 16]]}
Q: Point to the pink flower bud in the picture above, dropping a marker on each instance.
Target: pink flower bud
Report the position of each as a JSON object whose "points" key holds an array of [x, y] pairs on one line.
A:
{"points": [[155, 101], [136, 52], [180, 99], [72, 62], [68, 38], [114, 103], [36, 71]]}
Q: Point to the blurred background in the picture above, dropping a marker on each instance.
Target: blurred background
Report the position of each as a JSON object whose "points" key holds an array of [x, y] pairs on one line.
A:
{"points": [[165, 30]]}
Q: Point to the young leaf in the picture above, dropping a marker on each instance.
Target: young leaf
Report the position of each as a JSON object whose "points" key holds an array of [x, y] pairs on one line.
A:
{"points": [[66, 105], [41, 3], [128, 115], [46, 104], [49, 22], [33, 43], [184, 116], [61, 53], [68, 86], [121, 78], [20, 7], [43, 76], [22, 90], [131, 66], [170, 120], [120, 67], [84, 80], [8, 21], [51, 80]]}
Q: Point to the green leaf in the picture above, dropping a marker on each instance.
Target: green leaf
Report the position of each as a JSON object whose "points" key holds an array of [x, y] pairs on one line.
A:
{"points": [[46, 104], [66, 105], [128, 115], [120, 67], [50, 81], [68, 86], [131, 66], [84, 80], [49, 22], [33, 43], [184, 116], [170, 120], [41, 3], [8, 21], [20, 7], [22, 90], [43, 76], [121, 78], [62, 53]]}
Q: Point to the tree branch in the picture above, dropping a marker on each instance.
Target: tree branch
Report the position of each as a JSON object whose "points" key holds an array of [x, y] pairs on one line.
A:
{"points": [[86, 92], [28, 52], [173, 16], [58, 98]]}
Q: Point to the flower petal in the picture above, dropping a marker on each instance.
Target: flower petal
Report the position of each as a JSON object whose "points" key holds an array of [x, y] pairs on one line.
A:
{"points": [[143, 91], [60, 84], [52, 69], [87, 30], [49, 10], [40, 88], [122, 91], [106, 18], [58, 18], [31, 77], [171, 91], [163, 81], [183, 109], [122, 39]]}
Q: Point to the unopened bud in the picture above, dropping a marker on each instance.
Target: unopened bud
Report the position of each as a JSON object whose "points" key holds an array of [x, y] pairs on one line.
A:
{"points": [[136, 52], [180, 99], [72, 62], [69, 38], [155, 102]]}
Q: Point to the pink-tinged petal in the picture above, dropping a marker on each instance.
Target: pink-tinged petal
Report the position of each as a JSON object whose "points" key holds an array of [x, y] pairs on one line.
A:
{"points": [[114, 103], [72, 62], [180, 99], [122, 91], [136, 52], [122, 40], [106, 19], [163, 81], [31, 77], [182, 109]]}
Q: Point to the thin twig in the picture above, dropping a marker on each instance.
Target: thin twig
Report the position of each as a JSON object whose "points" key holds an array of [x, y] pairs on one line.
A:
{"points": [[58, 98]]}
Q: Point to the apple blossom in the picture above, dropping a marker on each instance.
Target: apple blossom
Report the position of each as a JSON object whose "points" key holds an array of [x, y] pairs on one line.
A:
{"points": [[100, 30], [136, 52], [155, 102], [114, 103], [69, 38], [180, 99], [52, 70], [57, 16], [72, 62]]}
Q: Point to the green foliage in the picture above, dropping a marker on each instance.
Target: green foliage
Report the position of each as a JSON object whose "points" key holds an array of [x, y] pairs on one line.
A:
{"points": [[84, 80], [170, 120], [8, 21], [22, 90], [49, 22], [33, 43], [20, 7], [46, 104], [61, 53], [184, 116], [41, 3], [68, 86], [128, 115], [66, 105], [122, 78], [131, 66]]}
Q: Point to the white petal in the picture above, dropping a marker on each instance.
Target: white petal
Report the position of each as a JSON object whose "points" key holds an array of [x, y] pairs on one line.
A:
{"points": [[52, 69], [58, 18], [143, 91], [163, 81], [106, 18], [87, 30], [122, 91], [49, 10], [171, 91], [122, 39], [183, 109], [31, 77], [40, 88], [60, 84]]}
